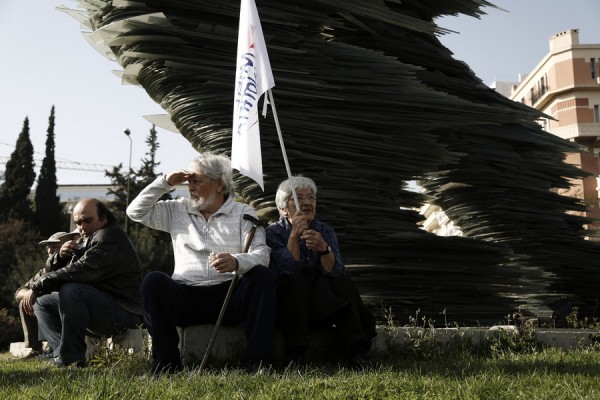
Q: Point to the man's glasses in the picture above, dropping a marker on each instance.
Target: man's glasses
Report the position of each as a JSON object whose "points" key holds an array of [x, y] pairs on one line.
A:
{"points": [[83, 221], [309, 199]]}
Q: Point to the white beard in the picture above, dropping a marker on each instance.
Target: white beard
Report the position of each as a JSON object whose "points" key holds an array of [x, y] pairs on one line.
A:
{"points": [[203, 203]]}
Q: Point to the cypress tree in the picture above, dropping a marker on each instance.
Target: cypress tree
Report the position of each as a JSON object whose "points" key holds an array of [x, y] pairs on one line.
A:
{"points": [[147, 173], [48, 210], [118, 192], [18, 178]]}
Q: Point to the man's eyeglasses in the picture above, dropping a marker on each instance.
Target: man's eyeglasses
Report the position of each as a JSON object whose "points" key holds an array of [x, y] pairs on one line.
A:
{"points": [[84, 221], [309, 199]]}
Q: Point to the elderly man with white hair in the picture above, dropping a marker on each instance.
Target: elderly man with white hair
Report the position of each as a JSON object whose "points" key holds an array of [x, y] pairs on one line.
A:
{"points": [[208, 230]]}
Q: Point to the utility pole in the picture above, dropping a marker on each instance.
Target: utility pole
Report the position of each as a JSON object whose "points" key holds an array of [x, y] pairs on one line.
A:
{"points": [[128, 133]]}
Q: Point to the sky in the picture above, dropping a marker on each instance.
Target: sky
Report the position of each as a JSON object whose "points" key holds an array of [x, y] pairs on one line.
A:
{"points": [[47, 62], [504, 43]]}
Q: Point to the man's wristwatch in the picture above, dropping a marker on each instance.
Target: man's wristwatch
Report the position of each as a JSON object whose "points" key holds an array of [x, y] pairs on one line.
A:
{"points": [[327, 251]]}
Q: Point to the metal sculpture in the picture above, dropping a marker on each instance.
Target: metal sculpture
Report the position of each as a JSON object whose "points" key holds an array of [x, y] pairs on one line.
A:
{"points": [[369, 100]]}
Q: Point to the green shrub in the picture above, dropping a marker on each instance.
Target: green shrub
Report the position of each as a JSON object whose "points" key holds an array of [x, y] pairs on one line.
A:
{"points": [[10, 330], [20, 258]]}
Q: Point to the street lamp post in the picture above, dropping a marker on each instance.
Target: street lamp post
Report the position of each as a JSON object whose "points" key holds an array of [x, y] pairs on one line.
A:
{"points": [[128, 133]]}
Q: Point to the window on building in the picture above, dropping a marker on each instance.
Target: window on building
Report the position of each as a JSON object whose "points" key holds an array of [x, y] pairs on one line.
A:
{"points": [[596, 114], [593, 67], [542, 86]]}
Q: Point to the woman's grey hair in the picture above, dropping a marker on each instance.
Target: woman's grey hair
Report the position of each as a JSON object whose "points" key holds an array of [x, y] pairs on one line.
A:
{"points": [[284, 191], [215, 166]]}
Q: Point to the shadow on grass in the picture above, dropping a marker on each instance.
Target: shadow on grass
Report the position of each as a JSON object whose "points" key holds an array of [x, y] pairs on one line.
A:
{"points": [[586, 363]]}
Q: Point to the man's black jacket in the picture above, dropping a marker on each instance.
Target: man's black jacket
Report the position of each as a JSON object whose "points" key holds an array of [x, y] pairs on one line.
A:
{"points": [[109, 262]]}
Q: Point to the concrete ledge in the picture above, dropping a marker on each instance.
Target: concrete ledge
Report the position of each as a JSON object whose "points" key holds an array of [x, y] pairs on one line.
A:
{"points": [[132, 340], [567, 339], [18, 349], [193, 341], [390, 339], [230, 342]]}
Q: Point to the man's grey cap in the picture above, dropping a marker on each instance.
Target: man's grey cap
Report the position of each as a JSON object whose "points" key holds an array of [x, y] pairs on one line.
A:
{"points": [[55, 238], [61, 237], [64, 236]]}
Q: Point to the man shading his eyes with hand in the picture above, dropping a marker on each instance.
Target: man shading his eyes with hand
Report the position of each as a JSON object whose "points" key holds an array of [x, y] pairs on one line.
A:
{"points": [[93, 287]]}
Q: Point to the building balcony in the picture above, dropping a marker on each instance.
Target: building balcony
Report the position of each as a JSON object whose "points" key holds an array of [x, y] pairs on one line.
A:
{"points": [[577, 130]]}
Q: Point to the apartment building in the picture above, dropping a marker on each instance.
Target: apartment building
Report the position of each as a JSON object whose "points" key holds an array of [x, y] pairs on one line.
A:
{"points": [[437, 222], [565, 85]]}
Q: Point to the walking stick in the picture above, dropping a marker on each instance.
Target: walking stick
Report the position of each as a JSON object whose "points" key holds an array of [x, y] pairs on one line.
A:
{"points": [[211, 342]]}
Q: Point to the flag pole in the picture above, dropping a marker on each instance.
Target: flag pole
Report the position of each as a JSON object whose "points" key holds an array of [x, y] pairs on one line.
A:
{"points": [[285, 159], [253, 78]]}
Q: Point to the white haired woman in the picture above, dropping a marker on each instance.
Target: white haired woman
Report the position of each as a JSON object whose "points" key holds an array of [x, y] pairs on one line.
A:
{"points": [[312, 288]]}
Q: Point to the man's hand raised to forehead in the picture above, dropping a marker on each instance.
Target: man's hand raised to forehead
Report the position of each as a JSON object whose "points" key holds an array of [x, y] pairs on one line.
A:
{"points": [[178, 177]]}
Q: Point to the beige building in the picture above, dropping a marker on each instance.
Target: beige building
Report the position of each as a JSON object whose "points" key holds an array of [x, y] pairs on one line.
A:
{"points": [[565, 85], [436, 221]]}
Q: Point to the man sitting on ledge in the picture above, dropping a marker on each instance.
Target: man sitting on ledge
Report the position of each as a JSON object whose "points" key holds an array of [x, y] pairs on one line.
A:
{"points": [[208, 232], [29, 321], [93, 288]]}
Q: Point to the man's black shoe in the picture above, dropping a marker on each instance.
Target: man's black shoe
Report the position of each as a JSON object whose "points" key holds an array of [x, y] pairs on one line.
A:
{"points": [[60, 364], [46, 355], [361, 362]]}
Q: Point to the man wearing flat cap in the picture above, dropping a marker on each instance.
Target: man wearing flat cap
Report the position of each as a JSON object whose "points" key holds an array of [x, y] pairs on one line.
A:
{"points": [[93, 288], [29, 320]]}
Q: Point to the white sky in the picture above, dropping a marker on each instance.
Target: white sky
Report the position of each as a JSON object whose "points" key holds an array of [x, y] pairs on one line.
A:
{"points": [[46, 61]]}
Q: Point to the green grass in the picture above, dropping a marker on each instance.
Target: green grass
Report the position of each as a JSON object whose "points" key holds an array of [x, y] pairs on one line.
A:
{"points": [[544, 374]]}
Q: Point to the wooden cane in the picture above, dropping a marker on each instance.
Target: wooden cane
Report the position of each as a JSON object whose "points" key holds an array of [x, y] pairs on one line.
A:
{"points": [[211, 342]]}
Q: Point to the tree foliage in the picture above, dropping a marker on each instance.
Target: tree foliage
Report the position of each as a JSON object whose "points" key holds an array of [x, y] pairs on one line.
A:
{"points": [[20, 258], [20, 255], [153, 247], [11, 329], [48, 210], [19, 175]]}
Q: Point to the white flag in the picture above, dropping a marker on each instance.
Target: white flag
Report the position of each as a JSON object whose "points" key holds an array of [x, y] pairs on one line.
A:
{"points": [[253, 77]]}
